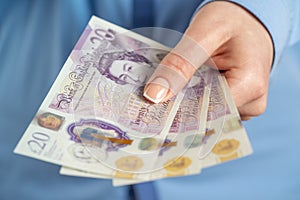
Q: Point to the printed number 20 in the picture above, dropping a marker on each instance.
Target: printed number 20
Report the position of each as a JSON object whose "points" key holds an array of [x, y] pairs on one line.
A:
{"points": [[38, 142]]}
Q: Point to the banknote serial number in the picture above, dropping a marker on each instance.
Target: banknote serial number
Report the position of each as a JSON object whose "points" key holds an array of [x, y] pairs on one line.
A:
{"points": [[38, 142]]}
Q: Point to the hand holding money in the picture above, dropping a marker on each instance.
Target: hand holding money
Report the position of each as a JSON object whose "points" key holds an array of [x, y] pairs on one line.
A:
{"points": [[229, 43], [95, 119]]}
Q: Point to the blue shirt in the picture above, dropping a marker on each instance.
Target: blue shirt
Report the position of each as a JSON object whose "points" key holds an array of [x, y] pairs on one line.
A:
{"points": [[36, 38]]}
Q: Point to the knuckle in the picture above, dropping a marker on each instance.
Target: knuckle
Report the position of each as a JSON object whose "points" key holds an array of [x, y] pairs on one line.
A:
{"points": [[246, 118], [255, 108], [260, 109], [179, 64], [260, 88]]}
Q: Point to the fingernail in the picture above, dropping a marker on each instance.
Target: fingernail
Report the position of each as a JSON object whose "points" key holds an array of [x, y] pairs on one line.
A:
{"points": [[156, 90]]}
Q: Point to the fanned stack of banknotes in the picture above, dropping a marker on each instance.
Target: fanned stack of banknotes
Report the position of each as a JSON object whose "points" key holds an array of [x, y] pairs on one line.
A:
{"points": [[95, 122]]}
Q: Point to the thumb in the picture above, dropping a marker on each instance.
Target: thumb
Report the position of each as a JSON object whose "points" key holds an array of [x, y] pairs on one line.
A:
{"points": [[178, 67]]}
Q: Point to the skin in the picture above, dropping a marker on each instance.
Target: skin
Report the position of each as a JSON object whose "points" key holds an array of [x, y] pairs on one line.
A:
{"points": [[238, 44]]}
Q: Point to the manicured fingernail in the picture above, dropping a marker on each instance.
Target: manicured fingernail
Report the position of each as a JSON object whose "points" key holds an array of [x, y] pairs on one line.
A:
{"points": [[157, 90]]}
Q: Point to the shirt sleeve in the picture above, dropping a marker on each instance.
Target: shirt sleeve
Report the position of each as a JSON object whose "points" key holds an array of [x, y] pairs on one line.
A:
{"points": [[280, 17]]}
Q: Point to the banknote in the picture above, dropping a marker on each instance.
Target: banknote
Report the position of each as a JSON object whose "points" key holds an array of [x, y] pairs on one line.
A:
{"points": [[94, 116], [81, 173], [95, 122], [179, 156], [226, 138]]}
